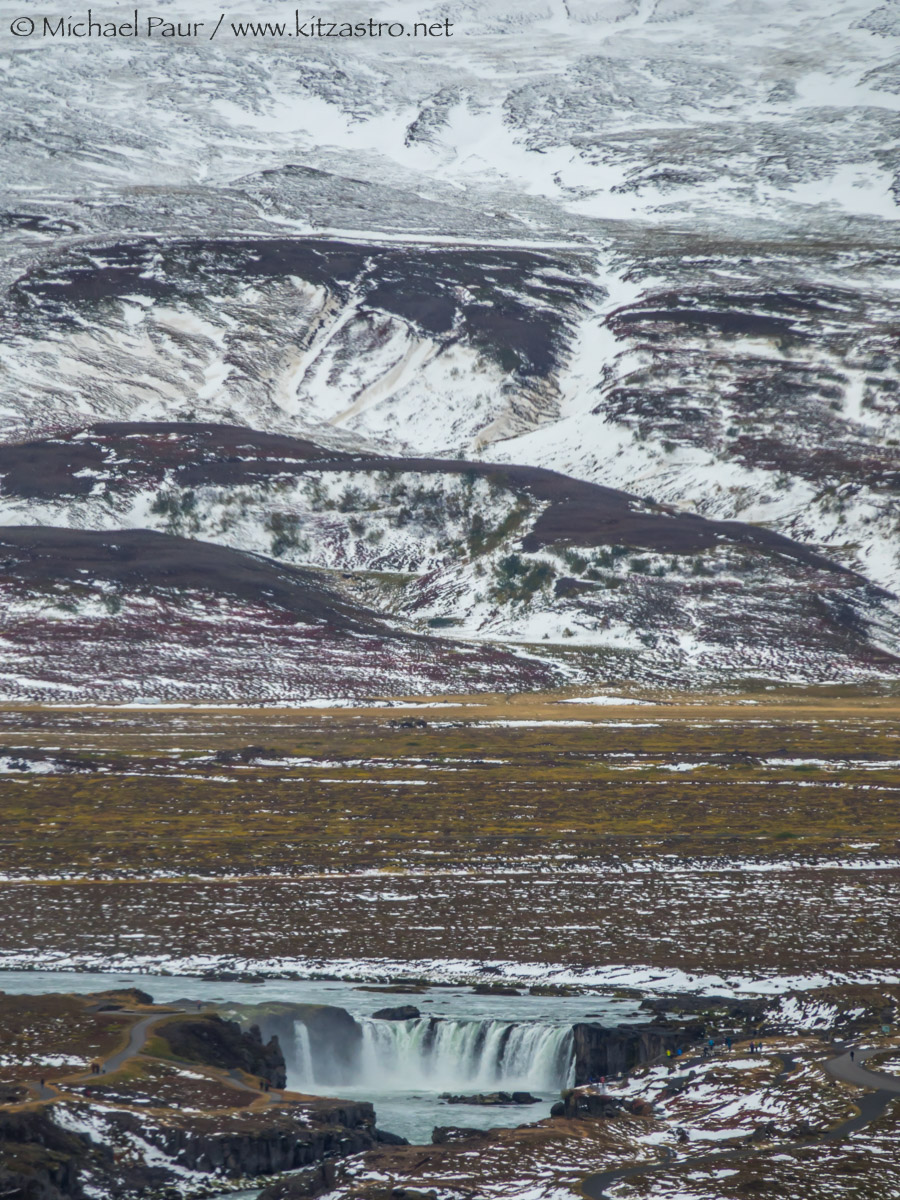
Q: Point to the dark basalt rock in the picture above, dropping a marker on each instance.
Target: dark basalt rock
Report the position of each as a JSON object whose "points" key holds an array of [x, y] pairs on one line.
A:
{"points": [[210, 1040], [767, 1132], [492, 1098], [578, 1105], [312, 1181], [403, 1012], [803, 1130], [600, 1051], [263, 1144], [385, 1138], [588, 1104], [677, 1085], [38, 1159], [441, 1135], [335, 1036]]}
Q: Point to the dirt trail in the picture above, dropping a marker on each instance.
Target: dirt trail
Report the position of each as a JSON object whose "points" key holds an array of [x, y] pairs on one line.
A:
{"points": [[137, 1039]]}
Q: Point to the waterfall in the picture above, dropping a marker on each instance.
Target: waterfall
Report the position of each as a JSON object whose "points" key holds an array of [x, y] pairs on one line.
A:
{"points": [[436, 1055], [427, 1055], [299, 1061]]}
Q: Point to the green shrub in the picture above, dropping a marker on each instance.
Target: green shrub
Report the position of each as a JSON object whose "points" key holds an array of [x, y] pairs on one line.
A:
{"points": [[576, 562], [482, 539], [174, 504], [351, 499], [519, 580], [284, 528]]}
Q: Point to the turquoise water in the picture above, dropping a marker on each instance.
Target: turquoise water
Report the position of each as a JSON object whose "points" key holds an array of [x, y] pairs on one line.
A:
{"points": [[403, 1071]]}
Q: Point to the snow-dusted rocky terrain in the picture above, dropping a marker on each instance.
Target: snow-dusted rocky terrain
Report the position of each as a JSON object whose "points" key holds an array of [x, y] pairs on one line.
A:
{"points": [[650, 245]]}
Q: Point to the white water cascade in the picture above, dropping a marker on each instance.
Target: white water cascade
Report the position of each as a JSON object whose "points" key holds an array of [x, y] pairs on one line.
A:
{"points": [[428, 1055], [475, 1056], [302, 1062]]}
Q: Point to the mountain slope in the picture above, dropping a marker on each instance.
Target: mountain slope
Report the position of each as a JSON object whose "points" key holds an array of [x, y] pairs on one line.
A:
{"points": [[648, 246], [610, 585], [142, 616], [774, 399]]}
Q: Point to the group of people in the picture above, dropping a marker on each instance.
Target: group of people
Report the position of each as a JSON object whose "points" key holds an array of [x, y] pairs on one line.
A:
{"points": [[710, 1046]]}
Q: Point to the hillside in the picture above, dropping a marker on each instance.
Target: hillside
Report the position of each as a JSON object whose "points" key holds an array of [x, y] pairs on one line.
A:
{"points": [[256, 534], [137, 616], [643, 286]]}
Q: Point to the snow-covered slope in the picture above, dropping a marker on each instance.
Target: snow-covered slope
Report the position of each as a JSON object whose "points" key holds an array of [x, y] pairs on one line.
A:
{"points": [[650, 244], [607, 583], [431, 347], [530, 116]]}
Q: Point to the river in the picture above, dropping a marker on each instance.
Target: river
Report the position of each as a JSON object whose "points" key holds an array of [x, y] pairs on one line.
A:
{"points": [[482, 1043]]}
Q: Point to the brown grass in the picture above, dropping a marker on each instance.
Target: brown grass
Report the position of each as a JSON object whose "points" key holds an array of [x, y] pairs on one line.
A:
{"points": [[433, 809]]}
